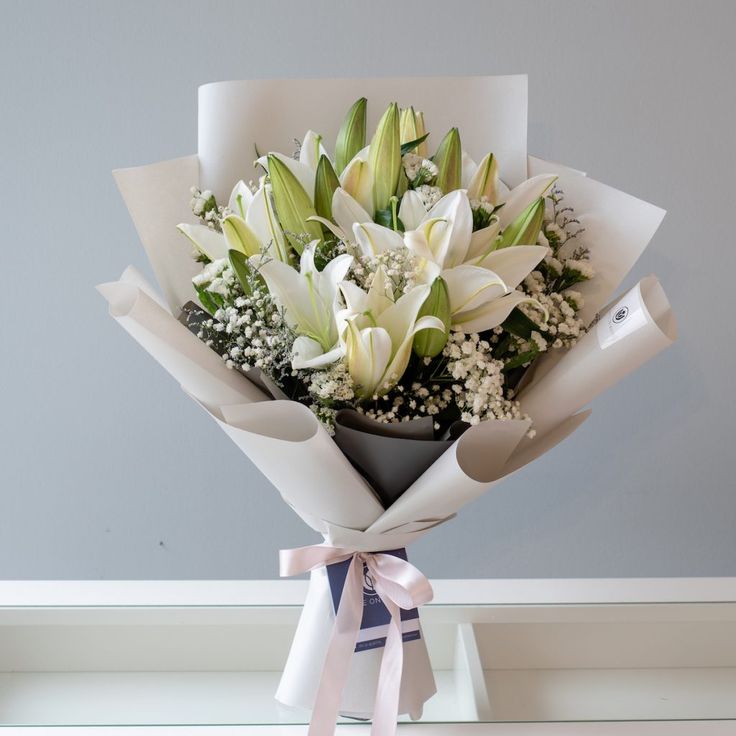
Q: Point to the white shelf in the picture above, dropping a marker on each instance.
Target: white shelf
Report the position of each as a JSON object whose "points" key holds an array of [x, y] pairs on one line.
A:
{"points": [[204, 657], [220, 593]]}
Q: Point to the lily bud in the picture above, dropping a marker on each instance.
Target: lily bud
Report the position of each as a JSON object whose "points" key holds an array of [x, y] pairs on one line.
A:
{"points": [[430, 342], [449, 159], [384, 158], [485, 180], [408, 125], [293, 205], [524, 230], [351, 136], [239, 236], [421, 132], [325, 184]]}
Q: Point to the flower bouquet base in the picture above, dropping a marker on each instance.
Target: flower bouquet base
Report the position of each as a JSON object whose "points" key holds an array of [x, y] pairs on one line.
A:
{"points": [[301, 677]]}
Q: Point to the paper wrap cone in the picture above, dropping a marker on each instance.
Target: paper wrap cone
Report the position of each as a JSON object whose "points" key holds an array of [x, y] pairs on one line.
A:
{"points": [[633, 330]]}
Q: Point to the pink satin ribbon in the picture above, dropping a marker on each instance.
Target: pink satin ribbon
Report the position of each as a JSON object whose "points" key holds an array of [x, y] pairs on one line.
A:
{"points": [[400, 586]]}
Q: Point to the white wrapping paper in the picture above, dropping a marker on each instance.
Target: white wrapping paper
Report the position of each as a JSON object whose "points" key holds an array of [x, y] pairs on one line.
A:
{"points": [[158, 198], [197, 368], [638, 326], [235, 117], [618, 227]]}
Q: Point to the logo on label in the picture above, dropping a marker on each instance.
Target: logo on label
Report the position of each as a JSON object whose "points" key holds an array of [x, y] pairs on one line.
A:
{"points": [[621, 315], [368, 584]]}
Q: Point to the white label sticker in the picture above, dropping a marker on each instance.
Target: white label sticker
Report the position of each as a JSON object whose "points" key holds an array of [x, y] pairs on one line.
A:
{"points": [[623, 318]]}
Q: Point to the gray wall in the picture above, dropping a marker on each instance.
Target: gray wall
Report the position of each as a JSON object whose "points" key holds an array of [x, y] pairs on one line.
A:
{"points": [[109, 472]]}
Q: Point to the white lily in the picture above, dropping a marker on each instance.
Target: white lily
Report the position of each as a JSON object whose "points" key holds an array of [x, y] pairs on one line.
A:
{"points": [[310, 300], [480, 281], [379, 333], [250, 227]]}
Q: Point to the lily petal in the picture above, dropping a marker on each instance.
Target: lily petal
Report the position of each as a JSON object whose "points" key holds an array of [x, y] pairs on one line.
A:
{"points": [[206, 240], [482, 241], [356, 300], [334, 229], [261, 219], [308, 353], [240, 199], [346, 211], [357, 179], [514, 264], [452, 248], [412, 210], [239, 236], [311, 149], [368, 354], [395, 369], [374, 239], [289, 288], [367, 306], [489, 315], [520, 197], [469, 167], [334, 272], [419, 240], [399, 318], [471, 286]]}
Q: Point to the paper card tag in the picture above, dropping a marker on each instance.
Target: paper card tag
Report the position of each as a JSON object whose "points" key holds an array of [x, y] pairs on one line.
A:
{"points": [[374, 626], [627, 315]]}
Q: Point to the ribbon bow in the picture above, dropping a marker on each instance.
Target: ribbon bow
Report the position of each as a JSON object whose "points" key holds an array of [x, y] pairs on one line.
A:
{"points": [[400, 585]]}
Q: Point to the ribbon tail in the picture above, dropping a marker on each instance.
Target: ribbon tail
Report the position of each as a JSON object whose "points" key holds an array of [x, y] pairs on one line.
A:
{"points": [[339, 653], [386, 708]]}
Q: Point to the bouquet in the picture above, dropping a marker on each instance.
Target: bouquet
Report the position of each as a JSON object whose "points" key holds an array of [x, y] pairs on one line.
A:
{"points": [[386, 327]]}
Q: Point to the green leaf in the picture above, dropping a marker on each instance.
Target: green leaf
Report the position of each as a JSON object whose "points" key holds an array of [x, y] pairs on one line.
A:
{"points": [[206, 300], [517, 323], [384, 157], [519, 360], [390, 216], [293, 205], [411, 124], [383, 217], [430, 343], [239, 236], [325, 184], [449, 159], [241, 268], [351, 136], [524, 230], [411, 145]]}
